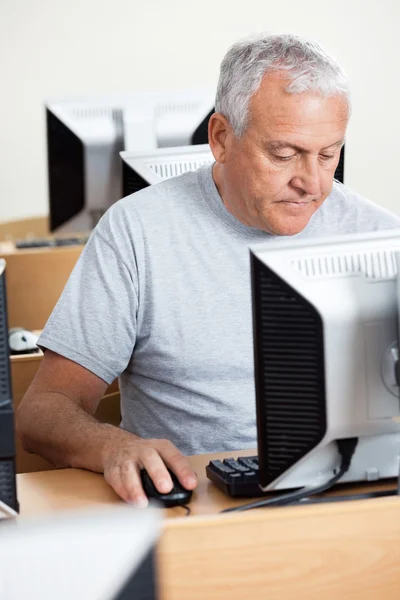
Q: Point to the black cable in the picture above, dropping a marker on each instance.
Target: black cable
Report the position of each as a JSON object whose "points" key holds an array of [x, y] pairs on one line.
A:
{"points": [[346, 449], [187, 508]]}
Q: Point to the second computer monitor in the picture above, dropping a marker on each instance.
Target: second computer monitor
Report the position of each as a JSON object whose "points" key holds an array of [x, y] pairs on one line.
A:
{"points": [[84, 138], [141, 169], [325, 316]]}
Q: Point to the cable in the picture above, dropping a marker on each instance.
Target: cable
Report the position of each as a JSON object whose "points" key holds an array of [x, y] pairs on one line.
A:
{"points": [[346, 449], [187, 508]]}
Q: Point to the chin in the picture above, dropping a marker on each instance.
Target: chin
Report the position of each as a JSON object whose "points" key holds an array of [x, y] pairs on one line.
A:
{"points": [[287, 227], [288, 220]]}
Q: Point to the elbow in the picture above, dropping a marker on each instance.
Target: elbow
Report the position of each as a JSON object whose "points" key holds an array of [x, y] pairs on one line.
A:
{"points": [[24, 427]]}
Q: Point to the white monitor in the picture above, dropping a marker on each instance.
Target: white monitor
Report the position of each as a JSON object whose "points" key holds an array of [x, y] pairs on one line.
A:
{"points": [[141, 169], [84, 138], [325, 316], [105, 553]]}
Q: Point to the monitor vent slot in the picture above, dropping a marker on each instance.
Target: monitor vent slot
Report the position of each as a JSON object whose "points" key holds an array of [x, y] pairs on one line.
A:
{"points": [[378, 264], [290, 380], [5, 387], [165, 170], [167, 108], [97, 112], [8, 492]]}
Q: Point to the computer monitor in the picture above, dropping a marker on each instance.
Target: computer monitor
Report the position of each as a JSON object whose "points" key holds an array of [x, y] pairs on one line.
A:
{"points": [[141, 169], [104, 553], [8, 491], [325, 315], [84, 138]]}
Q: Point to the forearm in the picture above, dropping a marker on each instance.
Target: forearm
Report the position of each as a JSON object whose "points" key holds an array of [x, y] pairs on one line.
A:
{"points": [[64, 434]]}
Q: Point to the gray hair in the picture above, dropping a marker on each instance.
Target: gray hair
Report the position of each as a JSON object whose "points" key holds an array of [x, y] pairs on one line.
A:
{"points": [[309, 68]]}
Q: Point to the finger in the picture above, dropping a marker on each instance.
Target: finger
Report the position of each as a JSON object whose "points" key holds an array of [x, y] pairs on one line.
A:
{"points": [[179, 464], [132, 483], [128, 487], [156, 469]]}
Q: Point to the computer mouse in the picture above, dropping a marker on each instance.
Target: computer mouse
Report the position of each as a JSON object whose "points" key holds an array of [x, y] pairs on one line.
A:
{"points": [[176, 497], [22, 341]]}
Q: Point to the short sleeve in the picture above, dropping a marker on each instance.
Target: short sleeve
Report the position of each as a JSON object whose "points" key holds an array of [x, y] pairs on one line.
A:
{"points": [[94, 321]]}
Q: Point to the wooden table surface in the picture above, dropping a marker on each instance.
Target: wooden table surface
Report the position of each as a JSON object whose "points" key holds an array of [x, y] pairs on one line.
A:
{"points": [[346, 550], [65, 489]]}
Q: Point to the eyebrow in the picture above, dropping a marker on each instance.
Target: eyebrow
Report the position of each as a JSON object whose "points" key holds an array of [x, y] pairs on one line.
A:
{"points": [[281, 145]]}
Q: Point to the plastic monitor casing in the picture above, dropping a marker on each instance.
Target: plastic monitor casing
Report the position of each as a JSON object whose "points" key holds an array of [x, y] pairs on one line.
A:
{"points": [[101, 553], [141, 169], [325, 316], [8, 491], [84, 138]]}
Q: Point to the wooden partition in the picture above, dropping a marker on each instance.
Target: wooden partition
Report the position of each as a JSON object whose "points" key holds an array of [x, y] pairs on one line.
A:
{"points": [[35, 279], [344, 551], [22, 228]]}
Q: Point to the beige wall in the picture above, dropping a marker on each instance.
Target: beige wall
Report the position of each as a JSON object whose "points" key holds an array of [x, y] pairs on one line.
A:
{"points": [[53, 48]]}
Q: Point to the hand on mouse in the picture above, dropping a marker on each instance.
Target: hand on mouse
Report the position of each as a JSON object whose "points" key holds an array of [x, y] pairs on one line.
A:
{"points": [[123, 462]]}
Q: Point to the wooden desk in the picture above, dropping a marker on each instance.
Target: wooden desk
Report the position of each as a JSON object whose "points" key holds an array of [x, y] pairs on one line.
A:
{"points": [[75, 488], [343, 550]]}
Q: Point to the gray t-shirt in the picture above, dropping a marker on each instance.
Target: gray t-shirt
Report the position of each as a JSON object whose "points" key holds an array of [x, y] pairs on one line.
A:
{"points": [[161, 298]]}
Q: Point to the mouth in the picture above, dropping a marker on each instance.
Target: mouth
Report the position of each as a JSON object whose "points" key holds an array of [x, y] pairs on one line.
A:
{"points": [[299, 202], [296, 205]]}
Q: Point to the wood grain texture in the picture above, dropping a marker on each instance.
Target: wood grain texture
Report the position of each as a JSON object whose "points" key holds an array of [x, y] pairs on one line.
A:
{"points": [[21, 228], [346, 551], [35, 279], [341, 551]]}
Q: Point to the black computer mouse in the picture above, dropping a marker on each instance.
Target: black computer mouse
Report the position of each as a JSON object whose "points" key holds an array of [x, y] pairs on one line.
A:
{"points": [[176, 497]]}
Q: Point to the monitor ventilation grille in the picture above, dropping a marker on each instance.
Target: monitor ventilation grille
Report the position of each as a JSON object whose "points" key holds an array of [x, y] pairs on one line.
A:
{"points": [[375, 265], [5, 390], [167, 108], [165, 170], [290, 378], [97, 112]]}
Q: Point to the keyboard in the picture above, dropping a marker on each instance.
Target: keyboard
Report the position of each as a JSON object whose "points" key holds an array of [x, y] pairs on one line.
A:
{"points": [[50, 242], [236, 477]]}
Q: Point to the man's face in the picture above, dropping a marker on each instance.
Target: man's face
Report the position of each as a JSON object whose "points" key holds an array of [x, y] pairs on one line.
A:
{"points": [[281, 170]]}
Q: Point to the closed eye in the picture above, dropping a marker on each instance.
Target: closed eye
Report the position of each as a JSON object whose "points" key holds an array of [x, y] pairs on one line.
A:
{"points": [[285, 158]]}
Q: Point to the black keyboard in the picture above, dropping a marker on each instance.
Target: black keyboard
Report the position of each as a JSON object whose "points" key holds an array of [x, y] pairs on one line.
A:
{"points": [[50, 242], [236, 477]]}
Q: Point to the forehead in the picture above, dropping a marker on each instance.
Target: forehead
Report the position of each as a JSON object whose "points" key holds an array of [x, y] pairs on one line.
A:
{"points": [[305, 118]]}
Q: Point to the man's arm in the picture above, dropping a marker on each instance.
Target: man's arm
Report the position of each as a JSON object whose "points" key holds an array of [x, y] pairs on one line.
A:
{"points": [[55, 419]]}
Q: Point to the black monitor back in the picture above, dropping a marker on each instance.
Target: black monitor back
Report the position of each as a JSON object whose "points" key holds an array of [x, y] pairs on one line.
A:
{"points": [[8, 493]]}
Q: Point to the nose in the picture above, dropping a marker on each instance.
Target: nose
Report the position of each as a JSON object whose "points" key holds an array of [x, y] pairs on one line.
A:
{"points": [[308, 178]]}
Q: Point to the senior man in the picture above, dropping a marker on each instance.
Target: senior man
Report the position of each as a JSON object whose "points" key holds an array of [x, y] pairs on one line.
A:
{"points": [[161, 294]]}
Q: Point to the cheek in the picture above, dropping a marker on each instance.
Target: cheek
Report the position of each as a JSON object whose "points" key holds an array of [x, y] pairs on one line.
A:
{"points": [[327, 183], [265, 179]]}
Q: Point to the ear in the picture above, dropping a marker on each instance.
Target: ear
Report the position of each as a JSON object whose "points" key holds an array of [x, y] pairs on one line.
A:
{"points": [[218, 130]]}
